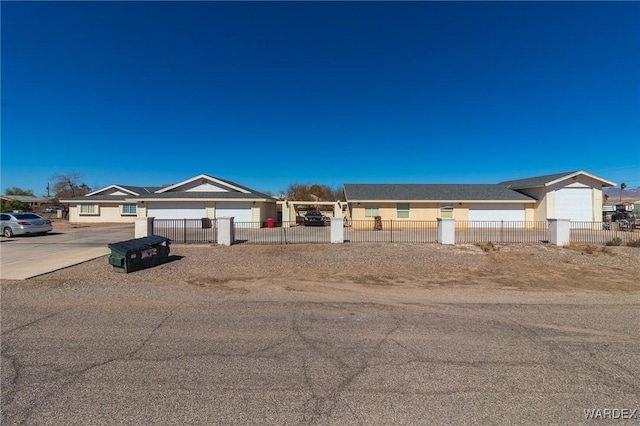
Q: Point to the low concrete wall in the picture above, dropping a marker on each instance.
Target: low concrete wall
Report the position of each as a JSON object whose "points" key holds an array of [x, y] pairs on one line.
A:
{"points": [[143, 227], [446, 231], [226, 235], [559, 232], [337, 230]]}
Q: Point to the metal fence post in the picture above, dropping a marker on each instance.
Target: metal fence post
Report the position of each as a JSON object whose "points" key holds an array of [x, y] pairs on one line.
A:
{"points": [[184, 228]]}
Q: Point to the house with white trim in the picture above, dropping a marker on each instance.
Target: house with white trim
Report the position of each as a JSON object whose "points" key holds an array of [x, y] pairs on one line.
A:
{"points": [[201, 196], [573, 195]]}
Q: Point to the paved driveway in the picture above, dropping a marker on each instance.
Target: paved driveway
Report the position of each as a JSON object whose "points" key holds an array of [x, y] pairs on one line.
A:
{"points": [[26, 257]]}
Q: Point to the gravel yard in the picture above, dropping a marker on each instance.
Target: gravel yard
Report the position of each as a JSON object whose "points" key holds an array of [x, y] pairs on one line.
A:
{"points": [[402, 266]]}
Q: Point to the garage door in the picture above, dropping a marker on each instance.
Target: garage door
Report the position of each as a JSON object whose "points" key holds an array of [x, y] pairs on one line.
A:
{"points": [[241, 212], [494, 214], [176, 210], [574, 204]]}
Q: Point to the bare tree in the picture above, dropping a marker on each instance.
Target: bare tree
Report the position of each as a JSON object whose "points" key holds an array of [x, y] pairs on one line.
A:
{"points": [[315, 192], [69, 185]]}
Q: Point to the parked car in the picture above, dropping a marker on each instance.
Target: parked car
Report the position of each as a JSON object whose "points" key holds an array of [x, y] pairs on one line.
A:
{"points": [[22, 223], [625, 221], [314, 218]]}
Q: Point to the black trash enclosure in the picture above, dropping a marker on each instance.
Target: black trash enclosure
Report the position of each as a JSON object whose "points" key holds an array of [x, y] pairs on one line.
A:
{"points": [[140, 253]]}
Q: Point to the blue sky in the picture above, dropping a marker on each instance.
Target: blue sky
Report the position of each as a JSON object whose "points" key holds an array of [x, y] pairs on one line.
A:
{"points": [[272, 93]]}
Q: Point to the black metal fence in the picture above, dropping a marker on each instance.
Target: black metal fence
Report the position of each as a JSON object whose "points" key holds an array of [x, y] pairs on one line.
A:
{"points": [[391, 231], [501, 231], [602, 233], [187, 231], [280, 233], [190, 231]]}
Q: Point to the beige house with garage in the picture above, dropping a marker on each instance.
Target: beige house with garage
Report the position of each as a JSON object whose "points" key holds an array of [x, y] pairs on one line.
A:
{"points": [[576, 196], [202, 196]]}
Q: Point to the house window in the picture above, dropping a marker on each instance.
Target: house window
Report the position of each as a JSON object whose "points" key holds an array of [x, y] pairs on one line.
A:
{"points": [[402, 211], [371, 212], [88, 209], [446, 211], [129, 209]]}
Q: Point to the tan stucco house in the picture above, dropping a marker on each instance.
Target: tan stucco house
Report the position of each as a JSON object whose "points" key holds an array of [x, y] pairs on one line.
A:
{"points": [[572, 195], [202, 196]]}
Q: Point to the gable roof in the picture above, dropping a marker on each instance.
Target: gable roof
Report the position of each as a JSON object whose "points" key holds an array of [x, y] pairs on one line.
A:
{"points": [[141, 189], [223, 184], [432, 192], [228, 191], [132, 190], [547, 180], [217, 196]]}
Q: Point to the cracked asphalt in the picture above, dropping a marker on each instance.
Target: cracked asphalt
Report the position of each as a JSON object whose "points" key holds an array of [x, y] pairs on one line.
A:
{"points": [[287, 351]]}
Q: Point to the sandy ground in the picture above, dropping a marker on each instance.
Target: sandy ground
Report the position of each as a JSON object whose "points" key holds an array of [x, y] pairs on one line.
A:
{"points": [[386, 268]]}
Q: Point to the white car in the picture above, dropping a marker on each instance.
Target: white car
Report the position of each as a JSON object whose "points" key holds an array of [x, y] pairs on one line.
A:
{"points": [[23, 223]]}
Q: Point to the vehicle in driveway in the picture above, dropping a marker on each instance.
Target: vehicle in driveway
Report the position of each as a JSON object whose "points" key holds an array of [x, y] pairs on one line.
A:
{"points": [[314, 218], [23, 224]]}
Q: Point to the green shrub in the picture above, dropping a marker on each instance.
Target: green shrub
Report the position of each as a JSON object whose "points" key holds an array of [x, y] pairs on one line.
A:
{"points": [[634, 243], [488, 247], [617, 241], [585, 248]]}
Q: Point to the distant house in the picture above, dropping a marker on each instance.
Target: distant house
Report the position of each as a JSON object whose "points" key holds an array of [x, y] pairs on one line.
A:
{"points": [[35, 203], [198, 197], [572, 195]]}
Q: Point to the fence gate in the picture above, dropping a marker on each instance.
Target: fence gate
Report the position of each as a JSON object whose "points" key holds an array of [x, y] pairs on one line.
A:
{"points": [[187, 231]]}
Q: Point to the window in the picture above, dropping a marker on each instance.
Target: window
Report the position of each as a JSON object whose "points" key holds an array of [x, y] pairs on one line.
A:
{"points": [[402, 211], [129, 209], [88, 209], [446, 211], [371, 212]]}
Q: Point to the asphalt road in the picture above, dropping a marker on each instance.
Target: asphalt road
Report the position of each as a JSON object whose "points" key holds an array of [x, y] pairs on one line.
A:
{"points": [[145, 354], [24, 257]]}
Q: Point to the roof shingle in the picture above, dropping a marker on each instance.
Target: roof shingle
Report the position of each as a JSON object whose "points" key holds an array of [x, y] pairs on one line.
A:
{"points": [[432, 192]]}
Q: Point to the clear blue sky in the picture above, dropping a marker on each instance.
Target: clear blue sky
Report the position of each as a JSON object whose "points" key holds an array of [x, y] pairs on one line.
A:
{"points": [[271, 93]]}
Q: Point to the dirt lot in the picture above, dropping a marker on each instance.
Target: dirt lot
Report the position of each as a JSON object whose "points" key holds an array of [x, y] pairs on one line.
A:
{"points": [[384, 267]]}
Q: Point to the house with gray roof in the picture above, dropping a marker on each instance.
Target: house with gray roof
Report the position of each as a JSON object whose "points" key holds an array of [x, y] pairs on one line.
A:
{"points": [[201, 196], [36, 204], [573, 195]]}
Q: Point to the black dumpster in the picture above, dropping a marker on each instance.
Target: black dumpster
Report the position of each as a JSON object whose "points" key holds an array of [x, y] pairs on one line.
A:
{"points": [[133, 255]]}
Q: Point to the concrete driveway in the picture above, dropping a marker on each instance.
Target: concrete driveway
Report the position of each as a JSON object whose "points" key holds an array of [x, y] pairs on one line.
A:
{"points": [[29, 256]]}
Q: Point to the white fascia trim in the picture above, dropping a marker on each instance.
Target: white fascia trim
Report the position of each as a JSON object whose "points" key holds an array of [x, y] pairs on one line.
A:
{"points": [[110, 187], [445, 201], [203, 176], [78, 202], [580, 172], [199, 200]]}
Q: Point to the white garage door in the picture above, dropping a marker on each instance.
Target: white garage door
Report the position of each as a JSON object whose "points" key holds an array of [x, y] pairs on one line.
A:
{"points": [[493, 214], [241, 212], [176, 210], [574, 204]]}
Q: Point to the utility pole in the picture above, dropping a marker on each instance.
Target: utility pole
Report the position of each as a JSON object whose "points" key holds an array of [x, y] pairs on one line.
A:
{"points": [[48, 196]]}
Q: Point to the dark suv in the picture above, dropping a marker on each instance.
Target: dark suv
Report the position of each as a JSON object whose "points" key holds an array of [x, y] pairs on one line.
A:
{"points": [[314, 218], [626, 221]]}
